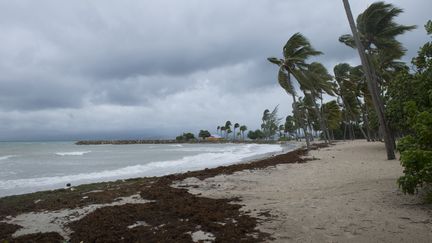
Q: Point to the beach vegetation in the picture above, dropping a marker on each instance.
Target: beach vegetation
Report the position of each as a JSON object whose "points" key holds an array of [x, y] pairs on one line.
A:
{"points": [[375, 39], [293, 67], [414, 105], [204, 134], [290, 126], [256, 135], [270, 123], [227, 129], [243, 129], [185, 137], [236, 125]]}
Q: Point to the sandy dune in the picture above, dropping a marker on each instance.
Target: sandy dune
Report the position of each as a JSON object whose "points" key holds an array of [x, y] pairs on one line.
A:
{"points": [[348, 195]]}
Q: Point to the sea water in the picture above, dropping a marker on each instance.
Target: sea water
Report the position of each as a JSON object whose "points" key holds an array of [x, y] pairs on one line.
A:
{"points": [[33, 166]]}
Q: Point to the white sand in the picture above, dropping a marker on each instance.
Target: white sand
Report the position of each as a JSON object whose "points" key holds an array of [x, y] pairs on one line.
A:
{"points": [[348, 195]]}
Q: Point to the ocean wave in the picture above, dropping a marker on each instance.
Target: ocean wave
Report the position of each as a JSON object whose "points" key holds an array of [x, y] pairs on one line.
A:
{"points": [[74, 153], [7, 157], [157, 168], [176, 145]]}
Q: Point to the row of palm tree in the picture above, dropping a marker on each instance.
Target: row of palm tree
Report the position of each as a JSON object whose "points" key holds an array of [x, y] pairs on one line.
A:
{"points": [[359, 90], [225, 130], [375, 39], [311, 78]]}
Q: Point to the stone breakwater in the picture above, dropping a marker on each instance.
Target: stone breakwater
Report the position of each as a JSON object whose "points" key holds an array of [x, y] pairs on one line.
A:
{"points": [[168, 141]]}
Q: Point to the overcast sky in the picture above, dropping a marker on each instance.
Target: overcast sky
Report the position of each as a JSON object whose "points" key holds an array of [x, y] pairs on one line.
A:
{"points": [[124, 69]]}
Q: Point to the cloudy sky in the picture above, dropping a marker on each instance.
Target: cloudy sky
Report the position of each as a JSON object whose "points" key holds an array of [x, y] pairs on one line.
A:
{"points": [[123, 69]]}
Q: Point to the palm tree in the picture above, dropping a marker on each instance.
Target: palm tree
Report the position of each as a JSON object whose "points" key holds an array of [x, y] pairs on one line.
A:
{"points": [[222, 129], [228, 131], [243, 128], [227, 128], [332, 115], [264, 119], [302, 115], [376, 32], [281, 130], [218, 128], [290, 126], [295, 52], [349, 90], [235, 127], [319, 81]]}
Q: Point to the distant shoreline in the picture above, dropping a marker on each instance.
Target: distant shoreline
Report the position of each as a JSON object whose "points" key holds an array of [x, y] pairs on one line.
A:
{"points": [[168, 141]]}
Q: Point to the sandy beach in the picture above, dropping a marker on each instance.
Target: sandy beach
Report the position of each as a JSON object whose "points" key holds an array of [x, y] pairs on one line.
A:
{"points": [[343, 193], [349, 194]]}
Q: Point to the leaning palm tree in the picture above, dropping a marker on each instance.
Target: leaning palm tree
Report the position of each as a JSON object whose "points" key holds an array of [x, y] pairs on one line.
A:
{"points": [[349, 90], [235, 127], [332, 115], [227, 128], [295, 52], [243, 128], [319, 81], [222, 129], [376, 32]]}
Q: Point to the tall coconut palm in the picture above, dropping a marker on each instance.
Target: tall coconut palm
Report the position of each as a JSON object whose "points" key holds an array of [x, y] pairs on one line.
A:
{"points": [[222, 129], [281, 130], [243, 128], [332, 115], [235, 127], [319, 81], [376, 32], [218, 128], [290, 126], [302, 115], [228, 125], [295, 52], [349, 90]]}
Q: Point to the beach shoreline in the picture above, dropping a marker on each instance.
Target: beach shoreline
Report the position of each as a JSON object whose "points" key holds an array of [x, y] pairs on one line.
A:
{"points": [[346, 192], [40, 167], [29, 206]]}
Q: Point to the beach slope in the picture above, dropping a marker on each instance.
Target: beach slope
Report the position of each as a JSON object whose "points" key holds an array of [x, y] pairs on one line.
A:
{"points": [[348, 194]]}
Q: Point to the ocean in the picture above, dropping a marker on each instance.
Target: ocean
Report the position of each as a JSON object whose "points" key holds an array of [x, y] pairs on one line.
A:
{"points": [[34, 166]]}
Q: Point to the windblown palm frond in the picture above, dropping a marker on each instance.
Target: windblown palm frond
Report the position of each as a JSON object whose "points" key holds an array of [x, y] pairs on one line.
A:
{"points": [[378, 30]]}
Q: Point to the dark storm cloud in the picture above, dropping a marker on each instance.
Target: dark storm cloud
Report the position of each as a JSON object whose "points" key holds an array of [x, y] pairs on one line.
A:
{"points": [[143, 65]]}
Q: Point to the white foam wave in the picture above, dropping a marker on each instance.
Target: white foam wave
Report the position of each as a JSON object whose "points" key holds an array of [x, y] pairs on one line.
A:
{"points": [[158, 168], [7, 157], [74, 153], [176, 145]]}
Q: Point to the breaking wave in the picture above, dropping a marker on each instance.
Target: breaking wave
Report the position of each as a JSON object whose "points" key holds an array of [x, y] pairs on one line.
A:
{"points": [[75, 153], [196, 162]]}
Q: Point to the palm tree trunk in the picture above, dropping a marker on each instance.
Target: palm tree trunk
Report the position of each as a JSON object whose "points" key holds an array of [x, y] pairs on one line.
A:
{"points": [[326, 129], [352, 131], [372, 85], [302, 124], [362, 131], [345, 129], [321, 121], [365, 121]]}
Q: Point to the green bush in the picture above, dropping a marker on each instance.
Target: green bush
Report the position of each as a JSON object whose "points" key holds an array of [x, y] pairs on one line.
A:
{"points": [[416, 153]]}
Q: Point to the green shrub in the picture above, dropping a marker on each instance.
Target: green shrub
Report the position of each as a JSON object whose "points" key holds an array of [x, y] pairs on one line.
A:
{"points": [[416, 153]]}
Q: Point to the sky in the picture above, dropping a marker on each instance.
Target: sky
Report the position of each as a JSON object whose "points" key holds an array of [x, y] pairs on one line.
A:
{"points": [[103, 69]]}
